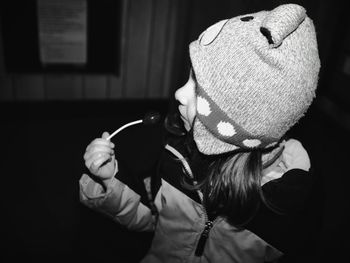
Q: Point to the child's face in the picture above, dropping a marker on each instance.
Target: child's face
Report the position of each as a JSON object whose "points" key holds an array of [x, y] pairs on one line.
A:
{"points": [[186, 95]]}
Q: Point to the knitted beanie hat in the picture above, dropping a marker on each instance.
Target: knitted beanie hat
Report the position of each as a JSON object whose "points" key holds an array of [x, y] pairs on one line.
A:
{"points": [[256, 77]]}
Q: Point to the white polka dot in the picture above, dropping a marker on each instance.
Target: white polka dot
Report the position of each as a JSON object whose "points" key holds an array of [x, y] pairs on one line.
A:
{"points": [[203, 106], [226, 129], [212, 32], [251, 143]]}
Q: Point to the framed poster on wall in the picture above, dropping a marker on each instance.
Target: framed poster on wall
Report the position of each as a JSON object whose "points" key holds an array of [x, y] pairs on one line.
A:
{"points": [[62, 32], [61, 36]]}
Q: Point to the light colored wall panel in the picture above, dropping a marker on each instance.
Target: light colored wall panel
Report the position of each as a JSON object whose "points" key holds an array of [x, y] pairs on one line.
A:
{"points": [[138, 48], [95, 86], [63, 87], [116, 84], [160, 28], [171, 34], [28, 87]]}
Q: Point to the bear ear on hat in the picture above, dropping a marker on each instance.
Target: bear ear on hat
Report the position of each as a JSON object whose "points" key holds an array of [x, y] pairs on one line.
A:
{"points": [[211, 33], [282, 21]]}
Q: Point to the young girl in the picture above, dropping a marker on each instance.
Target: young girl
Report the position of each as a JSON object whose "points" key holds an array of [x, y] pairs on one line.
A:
{"points": [[233, 189]]}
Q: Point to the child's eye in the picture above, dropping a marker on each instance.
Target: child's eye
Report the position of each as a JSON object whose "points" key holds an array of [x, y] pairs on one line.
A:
{"points": [[247, 18]]}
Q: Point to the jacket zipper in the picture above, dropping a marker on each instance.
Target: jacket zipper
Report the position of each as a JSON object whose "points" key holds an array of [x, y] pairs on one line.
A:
{"points": [[208, 223], [205, 233], [203, 238]]}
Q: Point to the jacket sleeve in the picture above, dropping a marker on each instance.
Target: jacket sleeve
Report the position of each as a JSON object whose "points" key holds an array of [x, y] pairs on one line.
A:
{"points": [[118, 201]]}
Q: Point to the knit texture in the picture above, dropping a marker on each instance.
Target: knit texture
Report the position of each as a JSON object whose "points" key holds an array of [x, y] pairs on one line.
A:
{"points": [[256, 75]]}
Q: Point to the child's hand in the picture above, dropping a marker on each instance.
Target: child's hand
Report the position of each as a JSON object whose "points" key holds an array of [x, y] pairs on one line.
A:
{"points": [[99, 158]]}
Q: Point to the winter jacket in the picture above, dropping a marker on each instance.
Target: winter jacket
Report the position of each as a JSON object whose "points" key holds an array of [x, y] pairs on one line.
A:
{"points": [[183, 232]]}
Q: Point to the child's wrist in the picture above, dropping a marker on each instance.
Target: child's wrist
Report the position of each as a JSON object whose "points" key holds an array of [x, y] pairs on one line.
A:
{"points": [[107, 182]]}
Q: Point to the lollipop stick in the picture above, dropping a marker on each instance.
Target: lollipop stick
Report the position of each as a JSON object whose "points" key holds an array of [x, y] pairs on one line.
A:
{"points": [[123, 127]]}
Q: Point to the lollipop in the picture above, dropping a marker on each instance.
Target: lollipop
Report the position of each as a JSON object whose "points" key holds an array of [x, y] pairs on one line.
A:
{"points": [[150, 118]]}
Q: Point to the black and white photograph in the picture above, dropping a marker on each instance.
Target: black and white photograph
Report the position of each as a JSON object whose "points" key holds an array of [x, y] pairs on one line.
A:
{"points": [[165, 131]]}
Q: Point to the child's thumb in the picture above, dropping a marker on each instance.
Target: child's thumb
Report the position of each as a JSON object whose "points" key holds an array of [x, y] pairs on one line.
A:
{"points": [[94, 168]]}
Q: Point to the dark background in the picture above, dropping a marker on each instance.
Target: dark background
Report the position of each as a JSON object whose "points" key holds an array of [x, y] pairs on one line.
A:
{"points": [[42, 161], [44, 142]]}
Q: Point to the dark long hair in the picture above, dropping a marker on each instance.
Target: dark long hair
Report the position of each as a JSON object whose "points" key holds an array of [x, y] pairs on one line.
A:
{"points": [[231, 183], [233, 187]]}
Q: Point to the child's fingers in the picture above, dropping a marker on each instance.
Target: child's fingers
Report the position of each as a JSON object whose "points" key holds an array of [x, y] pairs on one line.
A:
{"points": [[98, 152], [100, 148], [97, 159], [105, 135], [94, 150], [101, 160], [95, 166], [100, 141]]}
